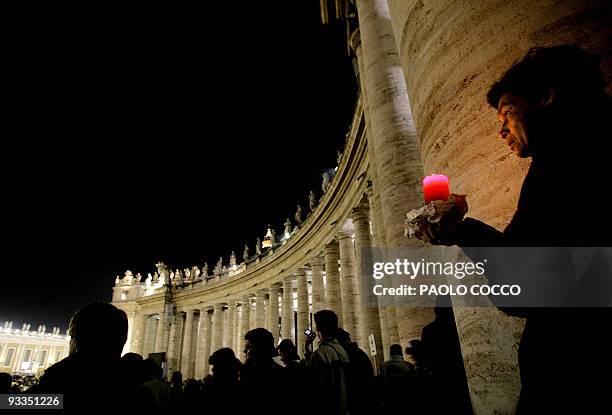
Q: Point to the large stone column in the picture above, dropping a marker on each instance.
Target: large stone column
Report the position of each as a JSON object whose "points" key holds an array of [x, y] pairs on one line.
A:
{"points": [[347, 284], [274, 317], [187, 352], [303, 309], [245, 317], [150, 334], [260, 311], [138, 333], [216, 341], [231, 324], [333, 295], [369, 316], [394, 141], [203, 343], [174, 346], [317, 266], [287, 321], [161, 338]]}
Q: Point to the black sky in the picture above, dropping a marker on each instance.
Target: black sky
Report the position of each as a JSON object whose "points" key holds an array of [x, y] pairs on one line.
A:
{"points": [[134, 136]]}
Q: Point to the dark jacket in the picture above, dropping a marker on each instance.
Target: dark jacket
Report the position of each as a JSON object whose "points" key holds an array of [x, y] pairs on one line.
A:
{"points": [[93, 385], [563, 352]]}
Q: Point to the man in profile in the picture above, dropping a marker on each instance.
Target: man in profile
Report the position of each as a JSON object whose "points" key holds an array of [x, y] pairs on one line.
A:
{"points": [[328, 366], [93, 376], [552, 107]]}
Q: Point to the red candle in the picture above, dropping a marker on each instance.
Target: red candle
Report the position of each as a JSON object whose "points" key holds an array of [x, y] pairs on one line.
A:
{"points": [[435, 187]]}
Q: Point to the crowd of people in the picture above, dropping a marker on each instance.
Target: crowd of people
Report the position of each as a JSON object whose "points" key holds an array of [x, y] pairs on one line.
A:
{"points": [[337, 377]]}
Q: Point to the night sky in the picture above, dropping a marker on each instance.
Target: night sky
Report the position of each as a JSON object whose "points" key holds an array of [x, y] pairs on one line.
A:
{"points": [[141, 135]]}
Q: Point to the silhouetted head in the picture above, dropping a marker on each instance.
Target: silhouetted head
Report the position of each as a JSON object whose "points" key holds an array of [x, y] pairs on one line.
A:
{"points": [[6, 380], [395, 350], [343, 337], [326, 322], [132, 357], [259, 344], [287, 351], [559, 76], [151, 369], [177, 378], [416, 350], [99, 329], [224, 364]]}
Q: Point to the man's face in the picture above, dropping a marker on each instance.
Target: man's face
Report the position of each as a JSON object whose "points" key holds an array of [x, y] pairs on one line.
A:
{"points": [[512, 112], [248, 349]]}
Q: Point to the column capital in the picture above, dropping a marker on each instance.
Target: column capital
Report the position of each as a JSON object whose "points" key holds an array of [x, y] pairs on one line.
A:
{"points": [[274, 287], [300, 271], [332, 247], [360, 213], [218, 306], [317, 261], [343, 235]]}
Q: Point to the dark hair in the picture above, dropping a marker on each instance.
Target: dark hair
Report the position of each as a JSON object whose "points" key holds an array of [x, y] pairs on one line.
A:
{"points": [[152, 369], [262, 342], [286, 345], [132, 357], [343, 336], [223, 357], [99, 327], [570, 71], [326, 322], [395, 350]]}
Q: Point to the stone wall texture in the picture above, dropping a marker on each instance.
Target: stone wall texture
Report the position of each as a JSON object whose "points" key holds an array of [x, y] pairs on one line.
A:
{"points": [[451, 52]]}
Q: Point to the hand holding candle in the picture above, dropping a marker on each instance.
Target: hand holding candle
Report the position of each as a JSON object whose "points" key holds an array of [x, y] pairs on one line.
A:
{"points": [[435, 187]]}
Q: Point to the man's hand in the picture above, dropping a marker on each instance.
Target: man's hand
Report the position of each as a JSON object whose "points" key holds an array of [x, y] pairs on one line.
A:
{"points": [[450, 213]]}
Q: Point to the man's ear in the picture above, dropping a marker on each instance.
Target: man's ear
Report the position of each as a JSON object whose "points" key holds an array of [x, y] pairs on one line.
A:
{"points": [[548, 98]]}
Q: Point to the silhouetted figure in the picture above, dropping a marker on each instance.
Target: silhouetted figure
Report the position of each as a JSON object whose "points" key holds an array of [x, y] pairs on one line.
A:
{"points": [[396, 375], [553, 108], [6, 382], [261, 375], [441, 340], [157, 387], [329, 366], [420, 388], [192, 396], [222, 390], [134, 367], [296, 375], [176, 392], [360, 383], [93, 373]]}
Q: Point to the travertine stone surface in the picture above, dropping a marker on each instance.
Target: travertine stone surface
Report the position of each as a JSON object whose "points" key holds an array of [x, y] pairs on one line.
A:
{"points": [[303, 309], [138, 333], [245, 314], [348, 284], [187, 352], [287, 320], [217, 328], [333, 294], [317, 266], [150, 333], [174, 346], [394, 140], [451, 52], [203, 343], [260, 310], [369, 315], [274, 328], [231, 324]]}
